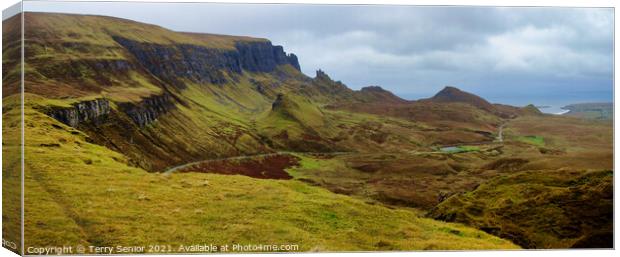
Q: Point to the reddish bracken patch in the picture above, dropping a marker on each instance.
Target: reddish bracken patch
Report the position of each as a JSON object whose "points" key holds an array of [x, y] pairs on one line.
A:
{"points": [[264, 167]]}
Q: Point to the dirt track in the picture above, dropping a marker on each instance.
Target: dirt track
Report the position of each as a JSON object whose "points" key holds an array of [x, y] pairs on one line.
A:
{"points": [[265, 166]]}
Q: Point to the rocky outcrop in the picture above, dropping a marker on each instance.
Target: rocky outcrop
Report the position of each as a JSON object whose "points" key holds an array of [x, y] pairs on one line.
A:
{"points": [[149, 109], [96, 111], [202, 64], [263, 56], [321, 75], [278, 103], [327, 86], [92, 111]]}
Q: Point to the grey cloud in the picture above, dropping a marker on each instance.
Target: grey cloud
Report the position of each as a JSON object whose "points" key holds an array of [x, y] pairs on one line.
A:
{"points": [[407, 49]]}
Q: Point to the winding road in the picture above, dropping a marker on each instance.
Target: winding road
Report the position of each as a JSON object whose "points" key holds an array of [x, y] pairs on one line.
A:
{"points": [[242, 157], [500, 133], [498, 139]]}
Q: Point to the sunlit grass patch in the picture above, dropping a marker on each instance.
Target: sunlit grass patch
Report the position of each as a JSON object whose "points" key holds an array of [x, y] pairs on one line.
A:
{"points": [[533, 140]]}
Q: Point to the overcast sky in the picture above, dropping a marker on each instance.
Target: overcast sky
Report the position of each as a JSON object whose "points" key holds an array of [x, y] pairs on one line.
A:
{"points": [[510, 55]]}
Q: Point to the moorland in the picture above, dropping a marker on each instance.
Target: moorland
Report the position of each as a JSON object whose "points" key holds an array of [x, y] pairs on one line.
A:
{"points": [[137, 135]]}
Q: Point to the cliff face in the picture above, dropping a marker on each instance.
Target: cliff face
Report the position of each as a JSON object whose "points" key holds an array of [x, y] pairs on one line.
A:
{"points": [[132, 65], [94, 111], [263, 56], [202, 64], [146, 111]]}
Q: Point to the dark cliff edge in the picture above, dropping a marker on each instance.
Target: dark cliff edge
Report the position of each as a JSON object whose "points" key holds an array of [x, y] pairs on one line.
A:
{"points": [[263, 56], [124, 128], [95, 112], [92, 111], [206, 65], [149, 109]]}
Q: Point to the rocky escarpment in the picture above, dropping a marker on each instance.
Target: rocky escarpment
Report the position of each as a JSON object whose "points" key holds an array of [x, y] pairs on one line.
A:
{"points": [[148, 110], [263, 56], [96, 111], [206, 65], [92, 111]]}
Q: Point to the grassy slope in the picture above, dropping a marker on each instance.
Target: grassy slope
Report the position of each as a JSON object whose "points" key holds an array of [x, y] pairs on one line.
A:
{"points": [[400, 179], [543, 160], [213, 113], [11, 171], [447, 122], [571, 134], [555, 142], [88, 29], [294, 120], [539, 209], [534, 140], [554, 187], [83, 193], [85, 42]]}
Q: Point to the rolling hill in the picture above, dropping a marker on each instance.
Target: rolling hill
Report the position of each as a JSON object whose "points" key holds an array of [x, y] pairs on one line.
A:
{"points": [[452, 95]]}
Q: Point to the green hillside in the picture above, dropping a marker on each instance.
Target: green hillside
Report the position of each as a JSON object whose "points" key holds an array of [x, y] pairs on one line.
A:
{"points": [[557, 204], [136, 135], [82, 193]]}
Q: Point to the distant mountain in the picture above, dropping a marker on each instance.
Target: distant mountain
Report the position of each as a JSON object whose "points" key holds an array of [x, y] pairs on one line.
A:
{"points": [[600, 111], [378, 94], [452, 94]]}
